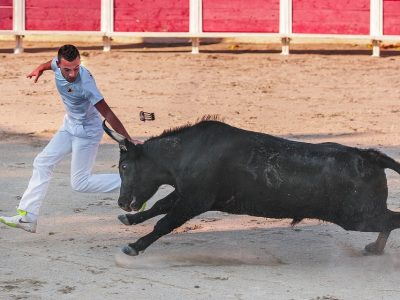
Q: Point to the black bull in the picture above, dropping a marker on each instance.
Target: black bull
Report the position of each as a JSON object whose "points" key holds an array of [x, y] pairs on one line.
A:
{"points": [[214, 166]]}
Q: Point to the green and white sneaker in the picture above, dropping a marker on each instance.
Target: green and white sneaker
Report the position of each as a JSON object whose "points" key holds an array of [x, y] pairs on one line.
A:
{"points": [[20, 221]]}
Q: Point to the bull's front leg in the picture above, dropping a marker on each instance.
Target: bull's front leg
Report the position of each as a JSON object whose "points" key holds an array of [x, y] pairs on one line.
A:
{"points": [[161, 207], [181, 212]]}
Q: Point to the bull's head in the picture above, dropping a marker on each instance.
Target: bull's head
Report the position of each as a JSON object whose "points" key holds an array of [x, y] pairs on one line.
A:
{"points": [[140, 177]]}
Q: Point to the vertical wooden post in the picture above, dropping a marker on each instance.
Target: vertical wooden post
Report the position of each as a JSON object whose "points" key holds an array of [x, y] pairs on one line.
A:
{"points": [[196, 23], [195, 45], [18, 24], [107, 43], [376, 25], [107, 23], [285, 45], [285, 24], [376, 48]]}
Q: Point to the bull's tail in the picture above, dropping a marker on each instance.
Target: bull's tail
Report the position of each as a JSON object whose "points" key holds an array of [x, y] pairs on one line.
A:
{"points": [[384, 161]]}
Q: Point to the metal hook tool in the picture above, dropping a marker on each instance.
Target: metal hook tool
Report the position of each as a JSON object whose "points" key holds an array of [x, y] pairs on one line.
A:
{"points": [[146, 116]]}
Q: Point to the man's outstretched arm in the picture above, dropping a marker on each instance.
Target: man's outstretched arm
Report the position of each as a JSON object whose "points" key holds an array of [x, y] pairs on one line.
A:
{"points": [[39, 70], [113, 120]]}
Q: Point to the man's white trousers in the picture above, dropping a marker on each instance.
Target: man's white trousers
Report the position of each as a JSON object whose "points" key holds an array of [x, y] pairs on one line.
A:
{"points": [[83, 143]]}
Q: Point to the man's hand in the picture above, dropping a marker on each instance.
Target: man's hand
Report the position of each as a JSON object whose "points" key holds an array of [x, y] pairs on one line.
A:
{"points": [[136, 142], [39, 70], [35, 73]]}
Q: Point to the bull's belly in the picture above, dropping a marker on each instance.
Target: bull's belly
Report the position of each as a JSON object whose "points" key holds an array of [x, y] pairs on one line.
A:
{"points": [[345, 217], [335, 204], [275, 206]]}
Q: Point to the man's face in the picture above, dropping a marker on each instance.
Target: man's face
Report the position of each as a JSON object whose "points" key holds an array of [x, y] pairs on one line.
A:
{"points": [[69, 69]]}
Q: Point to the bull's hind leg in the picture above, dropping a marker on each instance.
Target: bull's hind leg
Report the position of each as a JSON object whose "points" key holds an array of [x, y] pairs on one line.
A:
{"points": [[378, 246], [389, 221]]}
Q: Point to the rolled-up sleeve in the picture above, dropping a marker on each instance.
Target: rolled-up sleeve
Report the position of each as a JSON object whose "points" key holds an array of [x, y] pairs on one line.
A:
{"points": [[54, 64], [91, 91]]}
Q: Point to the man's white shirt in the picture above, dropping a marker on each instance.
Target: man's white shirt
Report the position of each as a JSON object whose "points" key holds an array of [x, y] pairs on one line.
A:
{"points": [[79, 97]]}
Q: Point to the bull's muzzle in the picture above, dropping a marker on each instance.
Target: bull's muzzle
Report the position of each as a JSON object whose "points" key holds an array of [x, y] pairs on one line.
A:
{"points": [[129, 205], [125, 204]]}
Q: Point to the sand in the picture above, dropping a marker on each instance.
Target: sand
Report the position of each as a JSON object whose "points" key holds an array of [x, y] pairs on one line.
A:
{"points": [[317, 94]]}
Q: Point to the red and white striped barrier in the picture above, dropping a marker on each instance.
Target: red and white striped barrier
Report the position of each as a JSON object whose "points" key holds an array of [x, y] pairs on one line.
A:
{"points": [[374, 20]]}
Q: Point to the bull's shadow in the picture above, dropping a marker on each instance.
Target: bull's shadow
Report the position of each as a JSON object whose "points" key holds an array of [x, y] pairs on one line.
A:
{"points": [[323, 245]]}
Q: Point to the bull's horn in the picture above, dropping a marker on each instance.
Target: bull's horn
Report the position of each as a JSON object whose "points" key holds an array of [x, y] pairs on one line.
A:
{"points": [[113, 134]]}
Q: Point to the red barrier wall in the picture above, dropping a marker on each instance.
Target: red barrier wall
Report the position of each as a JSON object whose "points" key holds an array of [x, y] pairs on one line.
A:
{"points": [[6, 15], [309, 16], [79, 15], [241, 16], [391, 17], [331, 16], [151, 16]]}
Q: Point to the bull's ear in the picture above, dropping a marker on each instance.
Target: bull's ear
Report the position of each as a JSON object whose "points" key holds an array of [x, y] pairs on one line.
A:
{"points": [[122, 146]]}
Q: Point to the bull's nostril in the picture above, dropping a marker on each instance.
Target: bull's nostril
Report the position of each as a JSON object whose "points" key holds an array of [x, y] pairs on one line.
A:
{"points": [[126, 204], [134, 206], [125, 207]]}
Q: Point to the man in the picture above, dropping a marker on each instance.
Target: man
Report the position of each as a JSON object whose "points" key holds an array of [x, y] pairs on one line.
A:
{"points": [[80, 135]]}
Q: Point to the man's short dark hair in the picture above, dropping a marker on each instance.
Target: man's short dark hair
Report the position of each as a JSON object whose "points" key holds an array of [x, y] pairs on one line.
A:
{"points": [[68, 52]]}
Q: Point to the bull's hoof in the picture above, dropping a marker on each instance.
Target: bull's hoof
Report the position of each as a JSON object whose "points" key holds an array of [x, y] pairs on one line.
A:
{"points": [[373, 249], [128, 250], [124, 219]]}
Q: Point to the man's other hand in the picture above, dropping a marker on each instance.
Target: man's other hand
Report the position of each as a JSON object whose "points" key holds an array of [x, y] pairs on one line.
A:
{"points": [[35, 73]]}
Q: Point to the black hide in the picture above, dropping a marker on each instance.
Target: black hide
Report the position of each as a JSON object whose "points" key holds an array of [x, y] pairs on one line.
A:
{"points": [[214, 166]]}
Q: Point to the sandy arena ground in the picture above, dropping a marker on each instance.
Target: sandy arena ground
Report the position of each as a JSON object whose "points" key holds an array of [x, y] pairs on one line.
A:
{"points": [[313, 95]]}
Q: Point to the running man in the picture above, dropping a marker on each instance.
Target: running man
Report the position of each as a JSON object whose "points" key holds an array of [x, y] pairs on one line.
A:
{"points": [[80, 135]]}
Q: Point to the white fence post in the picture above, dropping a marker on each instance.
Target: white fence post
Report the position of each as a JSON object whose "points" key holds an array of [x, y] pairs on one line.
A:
{"points": [[285, 24], [107, 22], [18, 24], [196, 22], [376, 25]]}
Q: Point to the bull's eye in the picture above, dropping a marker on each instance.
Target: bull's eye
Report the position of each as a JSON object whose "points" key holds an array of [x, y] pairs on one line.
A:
{"points": [[123, 167]]}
